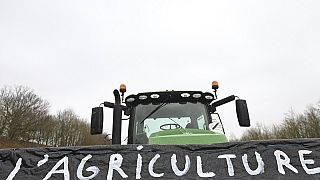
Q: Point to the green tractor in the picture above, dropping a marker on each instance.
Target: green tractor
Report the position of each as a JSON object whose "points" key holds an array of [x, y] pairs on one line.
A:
{"points": [[169, 117]]}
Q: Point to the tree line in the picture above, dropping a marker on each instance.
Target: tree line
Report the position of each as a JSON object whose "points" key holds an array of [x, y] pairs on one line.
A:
{"points": [[24, 116], [295, 125]]}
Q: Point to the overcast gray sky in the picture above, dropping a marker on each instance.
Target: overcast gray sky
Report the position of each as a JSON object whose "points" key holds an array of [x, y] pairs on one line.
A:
{"points": [[73, 53]]}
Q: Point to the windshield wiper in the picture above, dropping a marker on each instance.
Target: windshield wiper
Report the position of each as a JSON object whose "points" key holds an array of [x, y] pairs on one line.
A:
{"points": [[153, 111]]}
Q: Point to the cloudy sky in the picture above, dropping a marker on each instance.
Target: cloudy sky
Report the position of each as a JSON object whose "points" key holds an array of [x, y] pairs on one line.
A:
{"points": [[73, 53]]}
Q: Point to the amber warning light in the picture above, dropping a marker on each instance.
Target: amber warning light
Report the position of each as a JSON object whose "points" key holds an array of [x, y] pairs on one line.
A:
{"points": [[215, 85], [123, 88]]}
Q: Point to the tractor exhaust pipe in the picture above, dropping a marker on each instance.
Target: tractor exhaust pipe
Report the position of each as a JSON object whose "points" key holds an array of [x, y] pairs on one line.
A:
{"points": [[117, 117]]}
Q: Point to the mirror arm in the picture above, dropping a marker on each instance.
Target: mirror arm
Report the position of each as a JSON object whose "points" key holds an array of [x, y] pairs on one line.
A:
{"points": [[223, 101], [108, 104], [111, 105]]}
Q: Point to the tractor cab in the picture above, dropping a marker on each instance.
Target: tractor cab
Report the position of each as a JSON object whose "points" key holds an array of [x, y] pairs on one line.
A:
{"points": [[168, 117], [171, 117]]}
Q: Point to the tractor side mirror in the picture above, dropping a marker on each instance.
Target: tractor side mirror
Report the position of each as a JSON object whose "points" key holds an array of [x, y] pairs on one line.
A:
{"points": [[242, 113], [96, 120]]}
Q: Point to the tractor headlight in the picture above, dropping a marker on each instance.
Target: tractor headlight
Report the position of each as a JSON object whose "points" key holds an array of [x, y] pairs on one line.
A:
{"points": [[143, 97], [197, 95], [185, 95], [208, 97], [129, 100], [155, 96]]}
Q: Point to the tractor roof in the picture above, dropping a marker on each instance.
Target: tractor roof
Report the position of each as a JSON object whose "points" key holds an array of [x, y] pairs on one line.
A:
{"points": [[169, 97]]}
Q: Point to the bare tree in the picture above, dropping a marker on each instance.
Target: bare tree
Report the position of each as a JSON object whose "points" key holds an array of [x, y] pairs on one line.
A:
{"points": [[71, 130], [24, 116], [20, 112], [295, 125]]}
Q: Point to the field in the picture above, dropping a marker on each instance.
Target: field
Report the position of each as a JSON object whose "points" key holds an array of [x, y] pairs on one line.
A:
{"points": [[6, 143]]}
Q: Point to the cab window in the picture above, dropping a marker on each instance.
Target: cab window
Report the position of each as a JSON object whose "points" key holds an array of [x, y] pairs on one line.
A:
{"points": [[169, 116]]}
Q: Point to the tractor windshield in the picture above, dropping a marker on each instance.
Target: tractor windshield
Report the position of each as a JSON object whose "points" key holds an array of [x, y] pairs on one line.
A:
{"points": [[170, 116]]}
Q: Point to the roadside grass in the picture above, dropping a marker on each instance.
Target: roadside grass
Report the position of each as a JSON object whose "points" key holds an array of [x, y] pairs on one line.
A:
{"points": [[5, 143]]}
